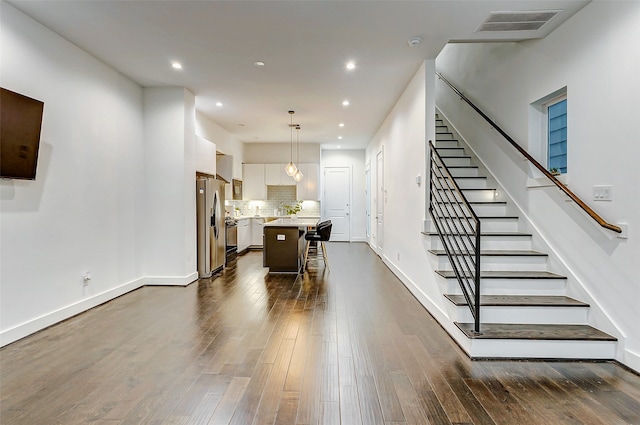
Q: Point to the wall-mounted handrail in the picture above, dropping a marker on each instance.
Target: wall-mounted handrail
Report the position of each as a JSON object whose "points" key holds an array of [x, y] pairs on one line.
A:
{"points": [[544, 171], [458, 227]]}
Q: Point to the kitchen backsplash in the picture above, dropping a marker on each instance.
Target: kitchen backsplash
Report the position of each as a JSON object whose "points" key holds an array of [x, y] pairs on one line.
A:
{"points": [[277, 196]]}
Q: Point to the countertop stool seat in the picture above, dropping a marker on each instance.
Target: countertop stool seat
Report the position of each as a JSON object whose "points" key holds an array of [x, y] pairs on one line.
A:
{"points": [[321, 235]]}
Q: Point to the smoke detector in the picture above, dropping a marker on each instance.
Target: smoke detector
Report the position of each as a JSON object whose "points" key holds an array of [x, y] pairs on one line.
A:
{"points": [[413, 42]]}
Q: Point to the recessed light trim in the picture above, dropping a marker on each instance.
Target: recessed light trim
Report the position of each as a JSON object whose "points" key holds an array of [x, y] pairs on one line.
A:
{"points": [[345, 102], [218, 104], [176, 65], [350, 65], [259, 63], [341, 124], [340, 137]]}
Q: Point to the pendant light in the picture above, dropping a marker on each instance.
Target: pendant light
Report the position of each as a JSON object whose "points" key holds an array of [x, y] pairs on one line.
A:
{"points": [[291, 168], [298, 174]]}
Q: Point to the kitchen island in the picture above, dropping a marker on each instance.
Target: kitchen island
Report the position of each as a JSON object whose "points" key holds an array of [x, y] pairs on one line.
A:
{"points": [[283, 250]]}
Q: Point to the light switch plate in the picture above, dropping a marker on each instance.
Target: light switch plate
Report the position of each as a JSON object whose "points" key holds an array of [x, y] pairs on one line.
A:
{"points": [[603, 193]]}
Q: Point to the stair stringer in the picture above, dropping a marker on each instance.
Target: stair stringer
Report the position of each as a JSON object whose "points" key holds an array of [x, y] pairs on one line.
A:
{"points": [[597, 315]]}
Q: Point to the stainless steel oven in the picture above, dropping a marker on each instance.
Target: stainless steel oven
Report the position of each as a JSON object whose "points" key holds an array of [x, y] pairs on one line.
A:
{"points": [[231, 226]]}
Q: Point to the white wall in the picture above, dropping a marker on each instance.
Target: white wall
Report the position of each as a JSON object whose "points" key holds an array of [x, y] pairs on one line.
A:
{"points": [[594, 55], [403, 137], [169, 165], [280, 153], [114, 193], [355, 160], [225, 143], [83, 211]]}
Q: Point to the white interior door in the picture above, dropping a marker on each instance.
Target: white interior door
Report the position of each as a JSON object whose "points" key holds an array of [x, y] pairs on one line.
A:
{"points": [[380, 199], [337, 201]]}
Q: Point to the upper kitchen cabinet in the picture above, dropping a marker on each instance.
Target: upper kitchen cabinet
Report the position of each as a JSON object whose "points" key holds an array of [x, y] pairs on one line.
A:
{"points": [[253, 182], [308, 188], [276, 176]]}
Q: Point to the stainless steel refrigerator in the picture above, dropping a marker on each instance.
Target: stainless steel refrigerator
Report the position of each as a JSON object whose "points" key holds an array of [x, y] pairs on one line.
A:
{"points": [[211, 227]]}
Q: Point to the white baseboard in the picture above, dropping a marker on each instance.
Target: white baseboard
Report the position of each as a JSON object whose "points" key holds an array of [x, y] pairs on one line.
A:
{"points": [[171, 280], [631, 360], [32, 326]]}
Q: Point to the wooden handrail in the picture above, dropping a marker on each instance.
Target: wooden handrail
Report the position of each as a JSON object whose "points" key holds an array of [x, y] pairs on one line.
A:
{"points": [[544, 171]]}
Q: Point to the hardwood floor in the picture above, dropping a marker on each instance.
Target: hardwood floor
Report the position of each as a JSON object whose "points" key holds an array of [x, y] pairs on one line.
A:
{"points": [[350, 346]]}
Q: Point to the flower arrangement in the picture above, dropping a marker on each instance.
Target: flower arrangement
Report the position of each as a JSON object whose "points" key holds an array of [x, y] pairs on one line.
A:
{"points": [[293, 209]]}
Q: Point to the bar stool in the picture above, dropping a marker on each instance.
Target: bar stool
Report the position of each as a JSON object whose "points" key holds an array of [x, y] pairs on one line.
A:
{"points": [[322, 235]]}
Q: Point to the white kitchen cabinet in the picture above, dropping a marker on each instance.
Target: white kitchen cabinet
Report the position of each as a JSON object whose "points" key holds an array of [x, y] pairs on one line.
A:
{"points": [[253, 182], [276, 176], [257, 225], [307, 188], [244, 234]]}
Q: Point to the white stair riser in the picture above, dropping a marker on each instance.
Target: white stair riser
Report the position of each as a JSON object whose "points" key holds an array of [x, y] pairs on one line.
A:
{"points": [[456, 161], [464, 172], [451, 151], [487, 225], [513, 287], [481, 210], [530, 263], [524, 315], [489, 242], [487, 195], [538, 349], [471, 183], [443, 136], [489, 209], [447, 144]]}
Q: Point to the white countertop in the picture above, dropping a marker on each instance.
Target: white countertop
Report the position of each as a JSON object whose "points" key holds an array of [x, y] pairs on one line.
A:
{"points": [[293, 222]]}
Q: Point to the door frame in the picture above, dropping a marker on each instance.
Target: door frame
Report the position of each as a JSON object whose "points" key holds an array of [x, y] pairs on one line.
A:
{"points": [[380, 202]]}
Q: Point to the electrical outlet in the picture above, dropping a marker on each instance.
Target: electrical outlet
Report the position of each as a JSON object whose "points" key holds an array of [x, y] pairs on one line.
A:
{"points": [[603, 193]]}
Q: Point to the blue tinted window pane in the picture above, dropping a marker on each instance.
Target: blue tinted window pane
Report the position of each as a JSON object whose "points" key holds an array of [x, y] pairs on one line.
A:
{"points": [[558, 136]]}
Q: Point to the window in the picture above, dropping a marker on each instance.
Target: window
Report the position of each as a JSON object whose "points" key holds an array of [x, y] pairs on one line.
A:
{"points": [[557, 135], [548, 141]]}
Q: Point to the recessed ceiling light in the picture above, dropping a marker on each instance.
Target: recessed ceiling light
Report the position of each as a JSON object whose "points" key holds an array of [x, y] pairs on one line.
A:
{"points": [[341, 124], [258, 63], [351, 65], [340, 137], [413, 42], [176, 65], [345, 103], [338, 146], [218, 104]]}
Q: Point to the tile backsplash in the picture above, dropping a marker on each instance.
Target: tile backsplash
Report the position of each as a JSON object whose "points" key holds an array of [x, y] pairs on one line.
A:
{"points": [[277, 196]]}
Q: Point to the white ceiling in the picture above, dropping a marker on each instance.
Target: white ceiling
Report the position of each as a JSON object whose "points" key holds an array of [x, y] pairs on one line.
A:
{"points": [[304, 44]]}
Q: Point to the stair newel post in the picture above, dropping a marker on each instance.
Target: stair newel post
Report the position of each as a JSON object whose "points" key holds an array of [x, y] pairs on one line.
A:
{"points": [[477, 279]]}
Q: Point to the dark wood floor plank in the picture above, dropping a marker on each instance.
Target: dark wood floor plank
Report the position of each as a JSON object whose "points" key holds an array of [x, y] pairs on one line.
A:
{"points": [[287, 409], [230, 401], [348, 346]]}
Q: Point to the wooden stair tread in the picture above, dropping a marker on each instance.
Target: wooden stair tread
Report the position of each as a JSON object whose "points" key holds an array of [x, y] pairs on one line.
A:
{"points": [[498, 252], [464, 177], [483, 234], [506, 274], [459, 166], [535, 332], [486, 217], [520, 301]]}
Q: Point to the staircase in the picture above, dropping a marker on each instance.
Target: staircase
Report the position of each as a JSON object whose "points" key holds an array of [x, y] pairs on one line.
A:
{"points": [[525, 312]]}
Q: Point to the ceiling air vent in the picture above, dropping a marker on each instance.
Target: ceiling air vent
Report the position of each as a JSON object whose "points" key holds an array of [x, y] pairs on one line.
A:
{"points": [[517, 21]]}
